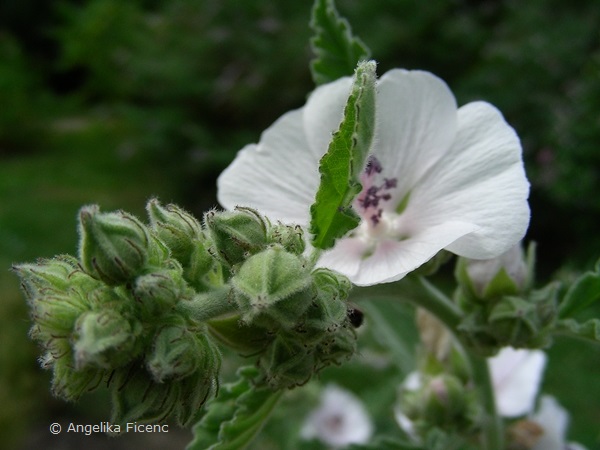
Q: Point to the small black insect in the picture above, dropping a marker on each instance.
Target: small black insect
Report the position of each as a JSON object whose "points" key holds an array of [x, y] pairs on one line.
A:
{"points": [[355, 316]]}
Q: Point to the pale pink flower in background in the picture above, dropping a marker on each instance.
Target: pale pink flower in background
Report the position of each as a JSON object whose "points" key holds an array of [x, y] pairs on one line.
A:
{"points": [[439, 177], [340, 420]]}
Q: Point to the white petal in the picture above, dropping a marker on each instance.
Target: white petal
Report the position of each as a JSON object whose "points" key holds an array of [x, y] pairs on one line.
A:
{"points": [[516, 375], [416, 124], [392, 259], [278, 177], [323, 114], [554, 419], [481, 181]]}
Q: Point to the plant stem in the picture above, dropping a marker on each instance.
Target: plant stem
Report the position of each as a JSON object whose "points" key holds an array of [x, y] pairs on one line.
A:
{"points": [[438, 304], [491, 422], [208, 305]]}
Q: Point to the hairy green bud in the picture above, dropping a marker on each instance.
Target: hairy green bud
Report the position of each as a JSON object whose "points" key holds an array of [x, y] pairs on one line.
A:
{"points": [[179, 351], [160, 290], [287, 363], [69, 383], [113, 246], [290, 237], [265, 283], [136, 396], [105, 340], [55, 315], [52, 276], [177, 228], [236, 234]]}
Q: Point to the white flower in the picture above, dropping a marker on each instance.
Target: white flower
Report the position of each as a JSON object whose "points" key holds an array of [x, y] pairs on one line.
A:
{"points": [[554, 421], [516, 377], [438, 177], [340, 419]]}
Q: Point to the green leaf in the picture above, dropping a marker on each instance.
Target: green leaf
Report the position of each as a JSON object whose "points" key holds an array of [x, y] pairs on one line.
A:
{"points": [[588, 330], [331, 214], [393, 326], [582, 293], [235, 417], [336, 51]]}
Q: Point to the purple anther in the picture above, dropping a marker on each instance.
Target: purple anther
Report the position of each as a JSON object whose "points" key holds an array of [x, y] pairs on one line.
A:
{"points": [[390, 183], [373, 166]]}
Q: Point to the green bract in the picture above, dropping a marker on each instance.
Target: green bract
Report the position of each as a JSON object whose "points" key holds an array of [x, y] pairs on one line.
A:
{"points": [[340, 168]]}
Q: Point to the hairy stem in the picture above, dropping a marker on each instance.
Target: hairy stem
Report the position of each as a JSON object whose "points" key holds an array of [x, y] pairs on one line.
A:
{"points": [[208, 305]]}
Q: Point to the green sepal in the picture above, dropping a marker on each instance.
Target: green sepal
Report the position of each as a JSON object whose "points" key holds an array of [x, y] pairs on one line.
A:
{"points": [[113, 246], [581, 294], [235, 417], [336, 50], [332, 215]]}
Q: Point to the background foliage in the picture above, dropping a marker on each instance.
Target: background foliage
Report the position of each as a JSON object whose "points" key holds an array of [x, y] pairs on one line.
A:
{"points": [[110, 102]]}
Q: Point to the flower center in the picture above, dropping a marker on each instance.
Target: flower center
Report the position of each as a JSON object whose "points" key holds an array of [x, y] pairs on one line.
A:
{"points": [[373, 196]]}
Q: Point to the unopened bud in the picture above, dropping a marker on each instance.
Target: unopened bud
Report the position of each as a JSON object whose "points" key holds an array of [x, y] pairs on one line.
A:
{"points": [[52, 276], [236, 234], [290, 237], [178, 352], [113, 246], [105, 340], [265, 282], [55, 315], [287, 363], [175, 227], [71, 384], [160, 290]]}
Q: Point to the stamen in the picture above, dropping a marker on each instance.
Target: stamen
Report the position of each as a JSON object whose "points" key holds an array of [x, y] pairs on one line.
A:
{"points": [[373, 194], [373, 166]]}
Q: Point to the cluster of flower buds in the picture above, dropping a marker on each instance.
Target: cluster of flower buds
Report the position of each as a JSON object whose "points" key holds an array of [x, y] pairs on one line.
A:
{"points": [[500, 307], [111, 317], [293, 316], [140, 309]]}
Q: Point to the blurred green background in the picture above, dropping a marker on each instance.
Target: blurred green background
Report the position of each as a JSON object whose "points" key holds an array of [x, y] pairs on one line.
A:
{"points": [[112, 102]]}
